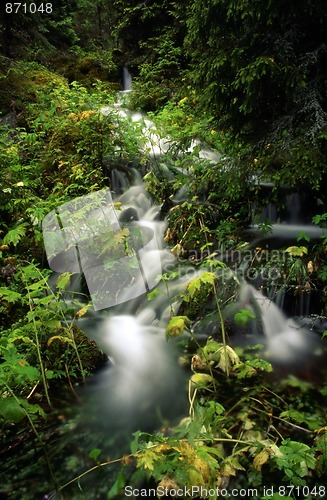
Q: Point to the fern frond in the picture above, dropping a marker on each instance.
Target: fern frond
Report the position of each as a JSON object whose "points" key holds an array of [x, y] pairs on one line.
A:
{"points": [[16, 234]]}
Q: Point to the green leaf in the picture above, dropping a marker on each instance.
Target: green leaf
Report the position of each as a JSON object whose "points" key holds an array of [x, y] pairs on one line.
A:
{"points": [[303, 236], [244, 316], [317, 219], [134, 445], [33, 409], [152, 295], [15, 235], [44, 301], [211, 348], [214, 263], [233, 460], [95, 453], [27, 372], [195, 285], [252, 367], [206, 452], [11, 410], [176, 326], [9, 295], [118, 485], [40, 285], [63, 281]]}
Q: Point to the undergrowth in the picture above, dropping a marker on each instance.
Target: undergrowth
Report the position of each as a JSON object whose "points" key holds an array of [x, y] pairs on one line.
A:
{"points": [[244, 426]]}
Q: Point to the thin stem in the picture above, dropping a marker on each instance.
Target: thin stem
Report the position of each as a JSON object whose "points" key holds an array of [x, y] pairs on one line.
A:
{"points": [[64, 319], [85, 473], [206, 359], [71, 385], [38, 348], [191, 399], [37, 435], [223, 331], [221, 319], [133, 455]]}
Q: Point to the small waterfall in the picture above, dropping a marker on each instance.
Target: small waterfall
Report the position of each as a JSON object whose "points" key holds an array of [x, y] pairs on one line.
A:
{"points": [[285, 341], [126, 79], [152, 144], [279, 226], [291, 215], [138, 389], [121, 255], [119, 252], [293, 208]]}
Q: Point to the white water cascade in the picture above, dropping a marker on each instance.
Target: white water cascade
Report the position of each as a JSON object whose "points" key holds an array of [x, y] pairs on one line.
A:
{"points": [[144, 372], [144, 385], [131, 329], [140, 384], [285, 341], [152, 144], [126, 79], [143, 377]]}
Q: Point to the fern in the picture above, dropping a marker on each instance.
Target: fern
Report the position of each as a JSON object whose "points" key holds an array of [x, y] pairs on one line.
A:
{"points": [[15, 235]]}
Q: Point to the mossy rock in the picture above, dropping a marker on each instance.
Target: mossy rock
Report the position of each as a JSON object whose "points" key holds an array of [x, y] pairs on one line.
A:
{"points": [[90, 355], [43, 77], [87, 68], [20, 82]]}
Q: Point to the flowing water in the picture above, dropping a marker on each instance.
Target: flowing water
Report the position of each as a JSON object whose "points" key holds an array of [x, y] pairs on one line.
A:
{"points": [[143, 386], [143, 377], [286, 342], [126, 79]]}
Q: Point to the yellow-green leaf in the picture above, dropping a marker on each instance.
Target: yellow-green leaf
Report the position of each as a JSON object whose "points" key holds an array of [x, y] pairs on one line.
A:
{"points": [[200, 380], [176, 326], [261, 459], [147, 458], [9, 296], [63, 340], [195, 285], [63, 281], [297, 251], [81, 312]]}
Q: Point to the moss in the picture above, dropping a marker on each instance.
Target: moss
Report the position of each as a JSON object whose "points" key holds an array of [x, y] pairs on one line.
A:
{"points": [[87, 68], [20, 82], [58, 353]]}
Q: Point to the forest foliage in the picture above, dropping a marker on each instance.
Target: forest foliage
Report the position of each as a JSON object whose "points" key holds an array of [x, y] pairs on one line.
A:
{"points": [[247, 79]]}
